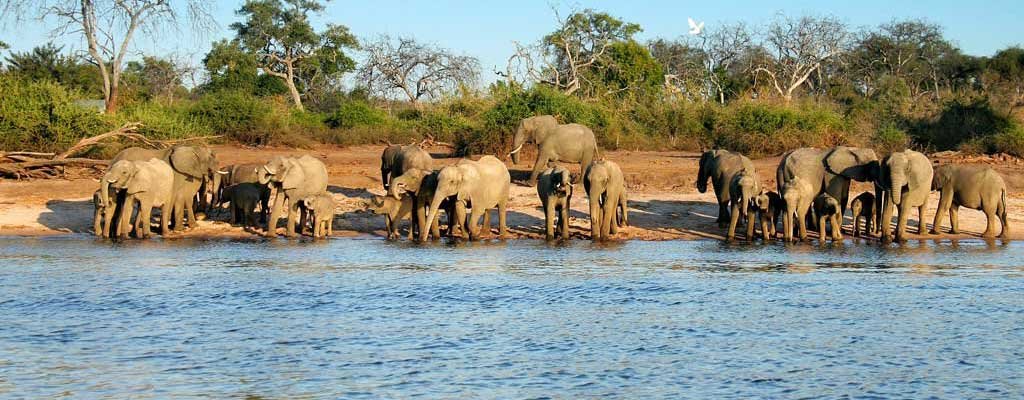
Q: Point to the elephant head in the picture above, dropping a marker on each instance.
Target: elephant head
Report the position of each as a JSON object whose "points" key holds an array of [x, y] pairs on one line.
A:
{"points": [[453, 180], [282, 172], [894, 175], [531, 130], [749, 188], [855, 163], [198, 163], [703, 172], [409, 182]]}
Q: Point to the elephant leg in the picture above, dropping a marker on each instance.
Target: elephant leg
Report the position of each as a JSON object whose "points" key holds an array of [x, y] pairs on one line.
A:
{"points": [[821, 228], [802, 223], [837, 228], [945, 201], [787, 227], [474, 229], [954, 219], [165, 218], [608, 218], [125, 219], [190, 213], [885, 225], [750, 226], [292, 219], [502, 219], [734, 217], [145, 213], [275, 215], [920, 220], [901, 222], [563, 220], [723, 215], [765, 227], [990, 218], [595, 218], [435, 227]]}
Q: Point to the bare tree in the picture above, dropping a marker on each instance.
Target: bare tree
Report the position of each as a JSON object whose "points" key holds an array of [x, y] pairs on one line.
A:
{"points": [[414, 70], [562, 58], [109, 26], [800, 47], [684, 67], [724, 48]]}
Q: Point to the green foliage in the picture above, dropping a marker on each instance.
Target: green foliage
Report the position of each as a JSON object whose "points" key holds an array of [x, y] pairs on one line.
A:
{"points": [[629, 69], [42, 116], [959, 120], [890, 139], [767, 129], [238, 115], [166, 121], [356, 113], [47, 62], [1010, 141]]}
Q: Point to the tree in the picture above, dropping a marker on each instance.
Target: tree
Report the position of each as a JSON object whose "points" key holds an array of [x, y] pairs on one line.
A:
{"points": [[725, 48], [229, 67], [414, 70], [909, 51], [285, 45], [1005, 72], [109, 26], [48, 62], [562, 58], [155, 77], [800, 47], [627, 68], [683, 66]]}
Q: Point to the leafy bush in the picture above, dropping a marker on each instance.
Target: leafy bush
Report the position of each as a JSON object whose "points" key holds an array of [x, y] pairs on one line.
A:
{"points": [[356, 113], [237, 115], [43, 116], [890, 138], [1010, 141], [165, 121]]}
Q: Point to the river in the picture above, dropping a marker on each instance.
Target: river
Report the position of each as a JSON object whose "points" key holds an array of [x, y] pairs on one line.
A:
{"points": [[365, 318]]}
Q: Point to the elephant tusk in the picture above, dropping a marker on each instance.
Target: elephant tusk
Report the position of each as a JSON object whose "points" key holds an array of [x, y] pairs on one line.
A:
{"points": [[517, 149], [112, 180], [266, 169]]}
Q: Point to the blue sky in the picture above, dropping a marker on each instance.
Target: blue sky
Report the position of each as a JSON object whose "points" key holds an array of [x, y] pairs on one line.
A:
{"points": [[486, 29]]}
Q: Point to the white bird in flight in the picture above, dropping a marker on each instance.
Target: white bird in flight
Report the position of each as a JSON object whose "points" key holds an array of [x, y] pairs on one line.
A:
{"points": [[695, 28]]}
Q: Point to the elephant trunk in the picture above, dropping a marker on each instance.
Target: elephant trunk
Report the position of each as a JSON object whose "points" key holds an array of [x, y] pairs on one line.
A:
{"points": [[744, 203], [787, 223], [896, 188], [435, 204], [517, 144]]}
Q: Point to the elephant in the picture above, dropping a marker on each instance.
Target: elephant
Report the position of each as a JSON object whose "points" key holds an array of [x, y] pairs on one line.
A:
{"points": [[244, 198], [829, 213], [480, 185], [863, 206], [394, 210], [417, 163], [570, 143], [721, 166], [192, 166], [976, 187], [743, 190], [243, 173], [387, 162], [555, 187], [798, 196], [905, 182], [293, 179], [769, 205], [149, 183], [829, 170], [320, 208], [103, 207], [605, 187]]}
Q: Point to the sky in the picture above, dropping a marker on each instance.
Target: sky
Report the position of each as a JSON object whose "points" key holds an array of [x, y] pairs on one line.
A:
{"points": [[487, 29]]}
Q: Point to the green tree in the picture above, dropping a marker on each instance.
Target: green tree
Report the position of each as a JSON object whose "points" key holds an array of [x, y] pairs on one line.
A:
{"points": [[628, 67], [230, 67], [155, 78], [48, 62], [285, 45], [911, 51]]}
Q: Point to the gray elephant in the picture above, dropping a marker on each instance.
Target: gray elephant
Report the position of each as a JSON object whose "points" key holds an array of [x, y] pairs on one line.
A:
{"points": [[863, 206], [480, 185], [147, 182], [192, 166], [743, 191], [394, 211], [320, 208], [605, 186], [238, 174], [244, 198], [829, 170], [769, 205], [905, 182], [419, 186], [975, 187], [829, 214], [387, 162], [293, 179], [798, 196], [415, 162], [721, 166], [556, 142], [555, 187]]}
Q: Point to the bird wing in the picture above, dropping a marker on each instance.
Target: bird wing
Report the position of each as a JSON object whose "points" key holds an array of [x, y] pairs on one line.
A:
{"points": [[693, 25]]}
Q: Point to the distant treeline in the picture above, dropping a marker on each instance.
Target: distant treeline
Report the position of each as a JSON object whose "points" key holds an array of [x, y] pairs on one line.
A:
{"points": [[804, 81]]}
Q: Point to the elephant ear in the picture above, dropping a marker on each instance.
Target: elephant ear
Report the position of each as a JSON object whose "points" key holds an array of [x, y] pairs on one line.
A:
{"points": [[292, 176], [843, 161], [135, 182], [187, 161]]}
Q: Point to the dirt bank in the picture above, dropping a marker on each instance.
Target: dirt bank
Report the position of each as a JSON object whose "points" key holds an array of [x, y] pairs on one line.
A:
{"points": [[663, 200]]}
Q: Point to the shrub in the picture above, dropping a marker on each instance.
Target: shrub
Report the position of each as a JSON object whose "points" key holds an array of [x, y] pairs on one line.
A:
{"points": [[43, 116], [1010, 141], [165, 121], [356, 113], [237, 115], [890, 138]]}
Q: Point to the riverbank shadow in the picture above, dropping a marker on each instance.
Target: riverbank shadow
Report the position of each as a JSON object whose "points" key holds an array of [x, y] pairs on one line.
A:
{"points": [[68, 216]]}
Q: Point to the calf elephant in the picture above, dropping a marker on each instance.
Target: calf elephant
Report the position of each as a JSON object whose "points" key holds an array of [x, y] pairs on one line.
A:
{"points": [[192, 166], [829, 214], [147, 182], [554, 188], [320, 208], [743, 191], [293, 179], [605, 187], [556, 142], [412, 163], [976, 187], [905, 182], [798, 196], [721, 166], [480, 185]]}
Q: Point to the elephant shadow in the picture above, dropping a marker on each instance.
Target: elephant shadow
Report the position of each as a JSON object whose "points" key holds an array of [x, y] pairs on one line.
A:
{"points": [[690, 217], [68, 216], [362, 193]]}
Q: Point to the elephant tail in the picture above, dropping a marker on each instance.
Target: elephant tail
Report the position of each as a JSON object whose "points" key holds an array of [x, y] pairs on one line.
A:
{"points": [[1002, 210]]}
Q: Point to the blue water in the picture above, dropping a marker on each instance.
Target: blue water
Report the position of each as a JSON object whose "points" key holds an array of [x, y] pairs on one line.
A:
{"points": [[370, 319]]}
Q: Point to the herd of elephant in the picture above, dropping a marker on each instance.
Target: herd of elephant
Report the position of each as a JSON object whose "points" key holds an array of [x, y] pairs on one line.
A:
{"points": [[813, 190]]}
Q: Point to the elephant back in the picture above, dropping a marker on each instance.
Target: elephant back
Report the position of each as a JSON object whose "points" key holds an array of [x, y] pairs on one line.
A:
{"points": [[805, 163], [315, 174], [140, 154], [411, 156]]}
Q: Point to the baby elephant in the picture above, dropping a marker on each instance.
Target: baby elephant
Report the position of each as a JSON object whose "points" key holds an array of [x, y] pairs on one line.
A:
{"points": [[743, 191], [555, 190], [977, 187], [864, 206], [827, 209], [321, 210], [768, 205], [394, 210], [605, 186], [798, 195], [244, 197]]}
